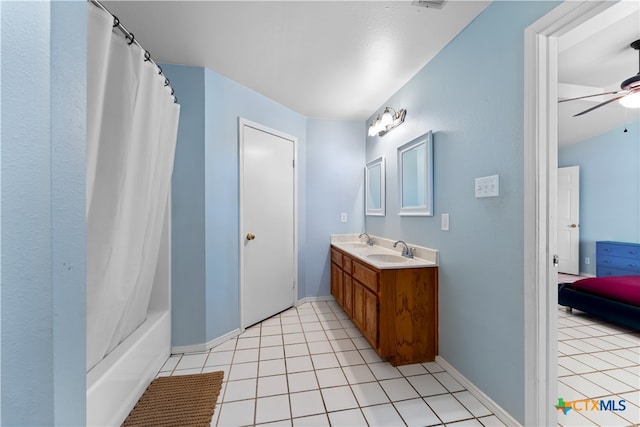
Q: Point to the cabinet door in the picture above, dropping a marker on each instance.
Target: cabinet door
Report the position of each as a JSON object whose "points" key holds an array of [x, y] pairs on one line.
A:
{"points": [[365, 312], [347, 283], [337, 289]]}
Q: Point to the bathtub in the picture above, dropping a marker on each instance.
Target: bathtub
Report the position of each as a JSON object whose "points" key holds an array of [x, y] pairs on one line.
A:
{"points": [[116, 383]]}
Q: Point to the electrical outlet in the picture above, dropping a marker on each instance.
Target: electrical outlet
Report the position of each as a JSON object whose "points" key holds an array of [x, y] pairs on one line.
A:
{"points": [[343, 217], [587, 260]]}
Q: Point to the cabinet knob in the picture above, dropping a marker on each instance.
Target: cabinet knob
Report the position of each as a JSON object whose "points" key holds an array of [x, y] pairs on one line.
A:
{"points": [[574, 226], [251, 236]]}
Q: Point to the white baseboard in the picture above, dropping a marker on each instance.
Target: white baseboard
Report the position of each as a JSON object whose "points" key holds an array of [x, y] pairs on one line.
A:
{"points": [[496, 409], [200, 348], [312, 299]]}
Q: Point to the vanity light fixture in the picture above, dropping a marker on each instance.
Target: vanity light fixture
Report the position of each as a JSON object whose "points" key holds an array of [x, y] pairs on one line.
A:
{"points": [[386, 121]]}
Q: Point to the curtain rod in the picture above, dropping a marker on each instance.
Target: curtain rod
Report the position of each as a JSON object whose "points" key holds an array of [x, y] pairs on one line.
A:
{"points": [[128, 35]]}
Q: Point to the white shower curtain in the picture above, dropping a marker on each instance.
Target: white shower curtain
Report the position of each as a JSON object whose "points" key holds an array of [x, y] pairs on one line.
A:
{"points": [[132, 125]]}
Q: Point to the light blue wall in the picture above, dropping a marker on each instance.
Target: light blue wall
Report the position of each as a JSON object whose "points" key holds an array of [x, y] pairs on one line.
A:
{"points": [[471, 96], [206, 231], [43, 265], [609, 189], [335, 184]]}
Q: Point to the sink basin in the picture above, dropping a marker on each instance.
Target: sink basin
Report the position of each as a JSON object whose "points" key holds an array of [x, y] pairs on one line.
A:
{"points": [[386, 258]]}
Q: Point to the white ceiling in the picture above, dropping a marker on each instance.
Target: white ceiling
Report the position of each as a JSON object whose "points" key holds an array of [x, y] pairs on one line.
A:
{"points": [[345, 59], [323, 59], [597, 55]]}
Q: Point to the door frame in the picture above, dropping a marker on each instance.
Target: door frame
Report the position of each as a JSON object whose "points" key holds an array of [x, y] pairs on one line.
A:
{"points": [[242, 122], [540, 203]]}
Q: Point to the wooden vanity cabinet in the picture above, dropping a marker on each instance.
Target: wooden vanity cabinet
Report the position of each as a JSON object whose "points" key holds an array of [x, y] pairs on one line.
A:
{"points": [[396, 310]]}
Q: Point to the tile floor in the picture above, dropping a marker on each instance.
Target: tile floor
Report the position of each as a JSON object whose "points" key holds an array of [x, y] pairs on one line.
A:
{"points": [[310, 366], [597, 360]]}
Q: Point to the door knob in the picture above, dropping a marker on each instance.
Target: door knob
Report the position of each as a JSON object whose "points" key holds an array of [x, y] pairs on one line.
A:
{"points": [[573, 226], [251, 236]]}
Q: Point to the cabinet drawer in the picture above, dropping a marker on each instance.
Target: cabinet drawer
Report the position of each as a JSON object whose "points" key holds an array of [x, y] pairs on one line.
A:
{"points": [[630, 264], [336, 257], [346, 264], [366, 276], [617, 250]]}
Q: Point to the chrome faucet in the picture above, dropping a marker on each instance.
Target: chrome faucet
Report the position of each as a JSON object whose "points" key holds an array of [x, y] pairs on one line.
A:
{"points": [[406, 251], [369, 239]]}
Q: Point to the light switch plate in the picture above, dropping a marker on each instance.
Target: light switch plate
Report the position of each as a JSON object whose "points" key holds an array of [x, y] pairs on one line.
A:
{"points": [[488, 186], [343, 217], [444, 221]]}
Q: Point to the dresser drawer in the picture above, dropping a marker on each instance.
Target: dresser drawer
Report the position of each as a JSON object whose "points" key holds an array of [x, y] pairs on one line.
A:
{"points": [[619, 262], [608, 271], [366, 276], [617, 250]]}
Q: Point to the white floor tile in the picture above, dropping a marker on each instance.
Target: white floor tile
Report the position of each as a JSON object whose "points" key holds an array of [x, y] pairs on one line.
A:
{"points": [[291, 328], [269, 386], [584, 386], [244, 356], [472, 404], [268, 353], [319, 347], [272, 408], [349, 358], [369, 355], [447, 408], [244, 343], [192, 361], [240, 390], [336, 334], [384, 371], [242, 371], [433, 367], [491, 421], [226, 346], [448, 381], [343, 345], [466, 423], [306, 403], [298, 364], [271, 330], [626, 377], [594, 362], [170, 364], [236, 413], [219, 358], [426, 385], [382, 415], [187, 371], [338, 398], [271, 341], [330, 324], [330, 377], [574, 365], [293, 350], [312, 326], [271, 367], [416, 412], [606, 418], [349, 418], [312, 421], [411, 370], [399, 389], [251, 332], [609, 383], [369, 394], [324, 361], [302, 381], [315, 336], [361, 343], [296, 338], [358, 374]]}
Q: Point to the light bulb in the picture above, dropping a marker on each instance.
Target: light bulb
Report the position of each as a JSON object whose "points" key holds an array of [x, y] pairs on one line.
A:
{"points": [[372, 129], [631, 101], [387, 118]]}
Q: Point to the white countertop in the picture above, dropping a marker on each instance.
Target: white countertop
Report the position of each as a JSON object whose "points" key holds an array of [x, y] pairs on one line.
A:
{"points": [[383, 248]]}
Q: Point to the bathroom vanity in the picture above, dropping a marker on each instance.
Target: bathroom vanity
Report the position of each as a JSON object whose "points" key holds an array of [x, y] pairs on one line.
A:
{"points": [[392, 300]]}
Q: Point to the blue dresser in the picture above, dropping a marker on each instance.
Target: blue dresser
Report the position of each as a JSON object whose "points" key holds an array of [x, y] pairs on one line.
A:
{"points": [[617, 259]]}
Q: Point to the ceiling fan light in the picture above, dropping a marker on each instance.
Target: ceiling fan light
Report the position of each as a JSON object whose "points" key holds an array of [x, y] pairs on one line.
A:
{"points": [[631, 100]]}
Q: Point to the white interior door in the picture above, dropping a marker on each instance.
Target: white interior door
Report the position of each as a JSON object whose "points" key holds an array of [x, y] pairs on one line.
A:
{"points": [[267, 209], [568, 220]]}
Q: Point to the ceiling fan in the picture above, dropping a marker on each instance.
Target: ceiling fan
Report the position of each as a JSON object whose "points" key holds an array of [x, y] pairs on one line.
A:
{"points": [[629, 95]]}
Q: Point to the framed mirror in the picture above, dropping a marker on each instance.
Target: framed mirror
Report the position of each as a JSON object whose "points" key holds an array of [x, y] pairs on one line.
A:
{"points": [[415, 176], [374, 187]]}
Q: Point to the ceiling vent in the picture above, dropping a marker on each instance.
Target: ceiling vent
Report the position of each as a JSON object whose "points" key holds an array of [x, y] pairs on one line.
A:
{"points": [[431, 4]]}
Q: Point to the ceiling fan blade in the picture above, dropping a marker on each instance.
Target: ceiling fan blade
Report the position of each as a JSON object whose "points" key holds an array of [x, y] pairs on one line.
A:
{"points": [[602, 104], [591, 96]]}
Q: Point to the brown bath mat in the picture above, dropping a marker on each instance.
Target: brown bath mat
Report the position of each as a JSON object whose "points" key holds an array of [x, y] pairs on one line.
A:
{"points": [[181, 400]]}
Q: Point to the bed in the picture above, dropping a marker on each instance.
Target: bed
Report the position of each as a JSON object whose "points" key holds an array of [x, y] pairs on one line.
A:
{"points": [[614, 298]]}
